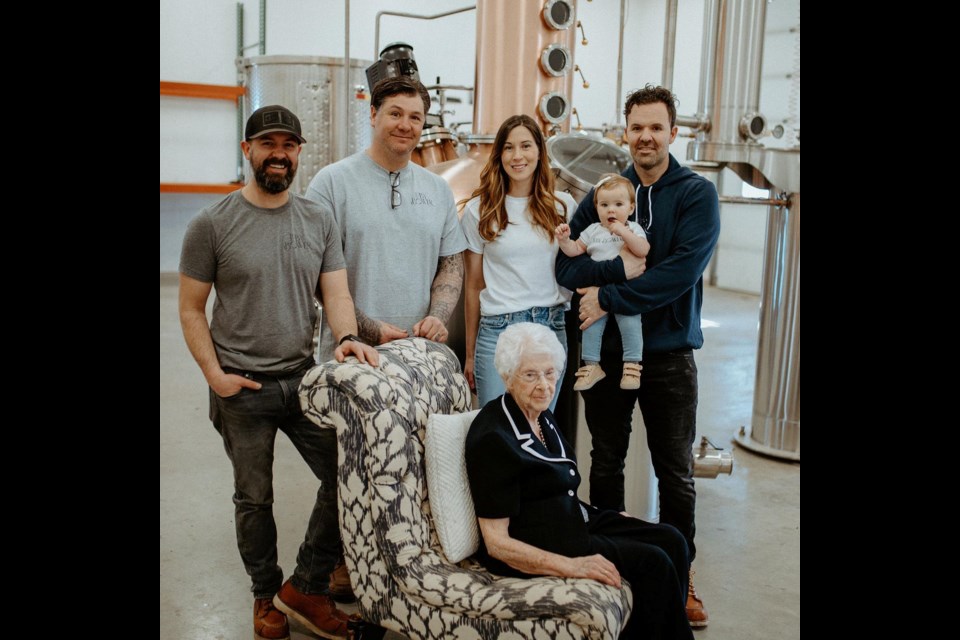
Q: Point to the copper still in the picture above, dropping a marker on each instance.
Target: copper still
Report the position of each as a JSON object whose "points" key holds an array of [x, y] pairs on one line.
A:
{"points": [[539, 82]]}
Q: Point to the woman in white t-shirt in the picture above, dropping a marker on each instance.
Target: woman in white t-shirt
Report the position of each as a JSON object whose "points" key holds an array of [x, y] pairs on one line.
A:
{"points": [[509, 222]]}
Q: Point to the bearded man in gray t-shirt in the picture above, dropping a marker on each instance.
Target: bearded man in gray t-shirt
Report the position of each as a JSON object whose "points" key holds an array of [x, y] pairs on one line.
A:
{"points": [[270, 253], [401, 235]]}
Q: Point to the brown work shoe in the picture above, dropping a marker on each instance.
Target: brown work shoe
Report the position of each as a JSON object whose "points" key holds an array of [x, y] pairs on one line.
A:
{"points": [[696, 613], [268, 623], [340, 589], [314, 611]]}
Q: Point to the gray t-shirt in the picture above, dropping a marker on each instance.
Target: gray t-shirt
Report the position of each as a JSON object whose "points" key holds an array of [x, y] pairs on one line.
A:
{"points": [[391, 253], [265, 265]]}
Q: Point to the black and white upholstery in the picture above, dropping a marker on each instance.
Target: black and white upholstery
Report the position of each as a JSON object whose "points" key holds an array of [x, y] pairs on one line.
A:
{"points": [[402, 579]]}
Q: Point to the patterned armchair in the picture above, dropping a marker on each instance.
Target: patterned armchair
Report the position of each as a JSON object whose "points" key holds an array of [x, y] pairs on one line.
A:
{"points": [[402, 579]]}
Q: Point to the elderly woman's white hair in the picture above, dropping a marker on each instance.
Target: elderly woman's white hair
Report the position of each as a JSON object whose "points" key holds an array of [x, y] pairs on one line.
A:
{"points": [[526, 339]]}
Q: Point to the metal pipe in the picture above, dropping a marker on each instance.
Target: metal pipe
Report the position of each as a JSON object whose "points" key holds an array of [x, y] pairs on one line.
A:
{"points": [[736, 93], [623, 9], [239, 31], [709, 461], [240, 177], [449, 87], [756, 26], [263, 27], [694, 122], [347, 87], [776, 202], [239, 110], [669, 44], [402, 14], [708, 53]]}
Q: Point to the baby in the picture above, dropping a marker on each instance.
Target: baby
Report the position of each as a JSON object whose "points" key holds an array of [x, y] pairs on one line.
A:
{"points": [[615, 201]]}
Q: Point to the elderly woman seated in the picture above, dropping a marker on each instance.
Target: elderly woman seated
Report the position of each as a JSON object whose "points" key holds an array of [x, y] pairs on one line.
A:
{"points": [[524, 479]]}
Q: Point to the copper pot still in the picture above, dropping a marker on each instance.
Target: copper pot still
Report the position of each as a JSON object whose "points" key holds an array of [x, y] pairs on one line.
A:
{"points": [[533, 75]]}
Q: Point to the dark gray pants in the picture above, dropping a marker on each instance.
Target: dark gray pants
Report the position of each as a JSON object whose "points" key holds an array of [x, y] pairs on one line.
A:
{"points": [[249, 422], [668, 400]]}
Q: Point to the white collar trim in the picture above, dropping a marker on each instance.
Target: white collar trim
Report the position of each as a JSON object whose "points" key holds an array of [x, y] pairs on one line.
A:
{"points": [[528, 441]]}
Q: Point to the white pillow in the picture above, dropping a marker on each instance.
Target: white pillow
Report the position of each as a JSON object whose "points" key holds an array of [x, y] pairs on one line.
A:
{"points": [[448, 486]]}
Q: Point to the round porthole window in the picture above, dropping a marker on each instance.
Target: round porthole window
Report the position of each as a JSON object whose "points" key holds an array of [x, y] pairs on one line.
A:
{"points": [[554, 107], [555, 60], [558, 13]]}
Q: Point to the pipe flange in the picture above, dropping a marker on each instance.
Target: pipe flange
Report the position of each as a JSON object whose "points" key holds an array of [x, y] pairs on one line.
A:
{"points": [[753, 126]]}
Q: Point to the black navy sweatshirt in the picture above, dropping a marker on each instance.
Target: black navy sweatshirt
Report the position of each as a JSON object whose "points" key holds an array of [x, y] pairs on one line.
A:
{"points": [[681, 215]]}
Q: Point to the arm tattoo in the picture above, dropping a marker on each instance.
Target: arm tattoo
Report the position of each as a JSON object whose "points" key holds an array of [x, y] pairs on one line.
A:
{"points": [[446, 287], [368, 328]]}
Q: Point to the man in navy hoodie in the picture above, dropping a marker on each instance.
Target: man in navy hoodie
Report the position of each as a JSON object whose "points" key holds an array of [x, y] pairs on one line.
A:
{"points": [[680, 212]]}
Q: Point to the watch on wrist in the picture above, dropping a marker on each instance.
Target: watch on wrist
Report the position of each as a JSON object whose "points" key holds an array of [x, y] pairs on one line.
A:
{"points": [[349, 336]]}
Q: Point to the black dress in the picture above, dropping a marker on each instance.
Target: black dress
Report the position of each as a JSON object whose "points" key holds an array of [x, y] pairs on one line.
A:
{"points": [[513, 475]]}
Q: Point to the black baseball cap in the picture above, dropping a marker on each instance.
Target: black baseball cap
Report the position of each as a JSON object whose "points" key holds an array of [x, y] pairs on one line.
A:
{"points": [[273, 119]]}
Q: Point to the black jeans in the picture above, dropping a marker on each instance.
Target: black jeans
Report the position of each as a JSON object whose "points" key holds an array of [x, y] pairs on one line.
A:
{"points": [[653, 559], [248, 423], [668, 401]]}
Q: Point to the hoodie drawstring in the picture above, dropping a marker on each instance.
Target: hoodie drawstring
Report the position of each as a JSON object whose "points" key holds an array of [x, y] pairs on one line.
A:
{"points": [[649, 205]]}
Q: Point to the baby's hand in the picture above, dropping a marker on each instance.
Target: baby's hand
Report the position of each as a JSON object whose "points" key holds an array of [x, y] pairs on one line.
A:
{"points": [[617, 228], [562, 232]]}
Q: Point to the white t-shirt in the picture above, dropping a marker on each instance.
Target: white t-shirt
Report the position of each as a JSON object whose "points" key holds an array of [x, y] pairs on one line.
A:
{"points": [[603, 245], [518, 265]]}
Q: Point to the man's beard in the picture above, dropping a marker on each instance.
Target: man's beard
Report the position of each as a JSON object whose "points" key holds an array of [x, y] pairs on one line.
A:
{"points": [[274, 184]]}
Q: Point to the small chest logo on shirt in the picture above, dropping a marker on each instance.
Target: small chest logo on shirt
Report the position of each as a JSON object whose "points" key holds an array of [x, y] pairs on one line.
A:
{"points": [[421, 198], [293, 241]]}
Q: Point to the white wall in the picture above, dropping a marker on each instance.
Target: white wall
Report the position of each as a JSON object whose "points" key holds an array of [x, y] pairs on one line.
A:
{"points": [[198, 44], [642, 57]]}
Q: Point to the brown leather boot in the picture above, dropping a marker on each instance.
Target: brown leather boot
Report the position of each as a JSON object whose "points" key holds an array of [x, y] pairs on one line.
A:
{"points": [[696, 613], [314, 611], [340, 589], [268, 623]]}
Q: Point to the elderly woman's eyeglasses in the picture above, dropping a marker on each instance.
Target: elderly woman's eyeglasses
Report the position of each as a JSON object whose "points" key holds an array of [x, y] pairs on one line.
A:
{"points": [[532, 376], [395, 198]]}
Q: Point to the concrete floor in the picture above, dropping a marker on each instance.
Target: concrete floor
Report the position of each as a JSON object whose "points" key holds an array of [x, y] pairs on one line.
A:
{"points": [[748, 524]]}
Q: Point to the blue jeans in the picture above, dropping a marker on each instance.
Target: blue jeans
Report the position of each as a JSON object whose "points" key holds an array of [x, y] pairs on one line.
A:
{"points": [[668, 401], [489, 383], [631, 331], [248, 422]]}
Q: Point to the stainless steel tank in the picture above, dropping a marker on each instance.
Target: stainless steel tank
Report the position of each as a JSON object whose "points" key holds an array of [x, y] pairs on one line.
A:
{"points": [[579, 159], [312, 87], [729, 102]]}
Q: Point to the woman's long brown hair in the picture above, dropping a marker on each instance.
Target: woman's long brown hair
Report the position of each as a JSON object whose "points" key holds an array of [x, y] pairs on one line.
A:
{"points": [[494, 185]]}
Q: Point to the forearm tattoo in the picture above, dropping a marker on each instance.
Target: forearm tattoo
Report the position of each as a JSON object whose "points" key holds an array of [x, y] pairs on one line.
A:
{"points": [[446, 287], [368, 328]]}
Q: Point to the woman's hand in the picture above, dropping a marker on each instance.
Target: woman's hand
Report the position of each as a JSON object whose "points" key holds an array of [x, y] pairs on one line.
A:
{"points": [[530, 559], [595, 567], [468, 372]]}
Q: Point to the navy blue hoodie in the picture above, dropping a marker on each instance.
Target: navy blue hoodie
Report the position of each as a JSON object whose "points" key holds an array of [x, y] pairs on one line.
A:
{"points": [[682, 226]]}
